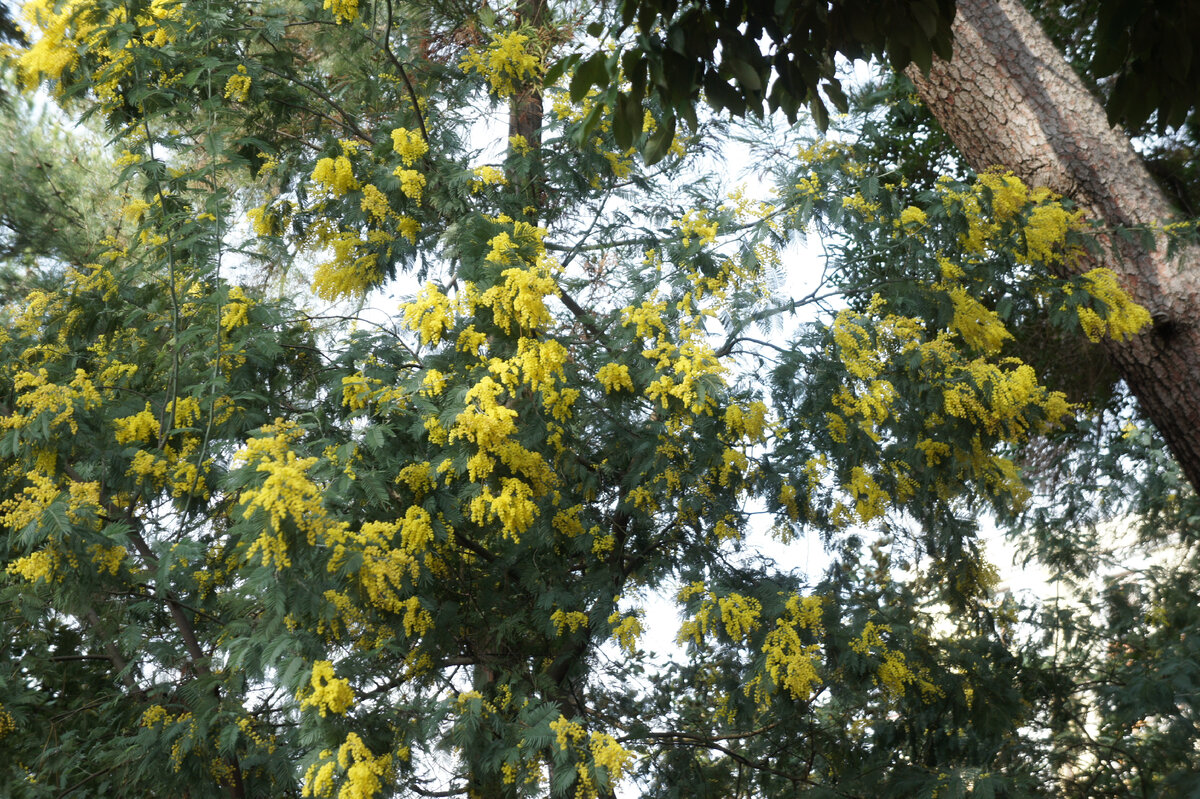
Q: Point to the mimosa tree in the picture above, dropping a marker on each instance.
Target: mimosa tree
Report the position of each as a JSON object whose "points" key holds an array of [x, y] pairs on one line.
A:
{"points": [[263, 539]]}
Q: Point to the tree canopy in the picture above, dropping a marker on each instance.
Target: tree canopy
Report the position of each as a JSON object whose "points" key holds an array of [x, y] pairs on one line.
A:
{"points": [[271, 531]]}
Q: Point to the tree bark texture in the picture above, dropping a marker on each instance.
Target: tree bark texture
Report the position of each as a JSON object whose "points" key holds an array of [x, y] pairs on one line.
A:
{"points": [[1008, 98], [525, 117]]}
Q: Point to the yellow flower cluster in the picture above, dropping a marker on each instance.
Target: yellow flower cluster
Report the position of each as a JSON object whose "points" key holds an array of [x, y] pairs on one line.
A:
{"points": [[237, 88], [27, 507], [733, 466], [142, 427], [822, 149], [67, 30], [566, 731], [386, 569], [509, 499], [351, 272], [416, 530], [485, 422], [40, 565], [155, 715], [37, 395], [521, 297], [375, 203], [998, 398], [504, 249], [184, 411], [409, 145], [431, 314], [1008, 192], [184, 742], [342, 10], [696, 628], [1001, 397], [134, 209], [614, 377], [487, 176], [567, 521], [747, 422], [347, 620], [790, 663], [262, 222], [357, 391], [434, 383], [514, 507], [870, 501], [1046, 232], [83, 501], [859, 204], [621, 164], [412, 183], [684, 366], [287, 492], [740, 615], [519, 144], [980, 327], [935, 451], [609, 755], [568, 620], [696, 223], [236, 311], [539, 365], [246, 725], [408, 228], [913, 217], [646, 319], [176, 468], [108, 559], [335, 174], [787, 498], [418, 477], [1042, 222], [894, 673], [1123, 318], [364, 771], [626, 630], [505, 62], [893, 670], [417, 621], [809, 186], [326, 692], [604, 751]]}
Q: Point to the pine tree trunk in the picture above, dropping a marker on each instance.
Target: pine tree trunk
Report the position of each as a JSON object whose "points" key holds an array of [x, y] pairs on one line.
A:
{"points": [[525, 120], [1009, 98]]}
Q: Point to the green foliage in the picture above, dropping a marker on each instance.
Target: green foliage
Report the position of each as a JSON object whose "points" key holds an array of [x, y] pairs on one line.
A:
{"points": [[263, 540], [59, 205], [741, 58], [1142, 66], [1142, 55]]}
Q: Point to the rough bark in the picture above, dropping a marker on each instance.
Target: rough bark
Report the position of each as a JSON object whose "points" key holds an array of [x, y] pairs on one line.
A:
{"points": [[525, 118], [1008, 98]]}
